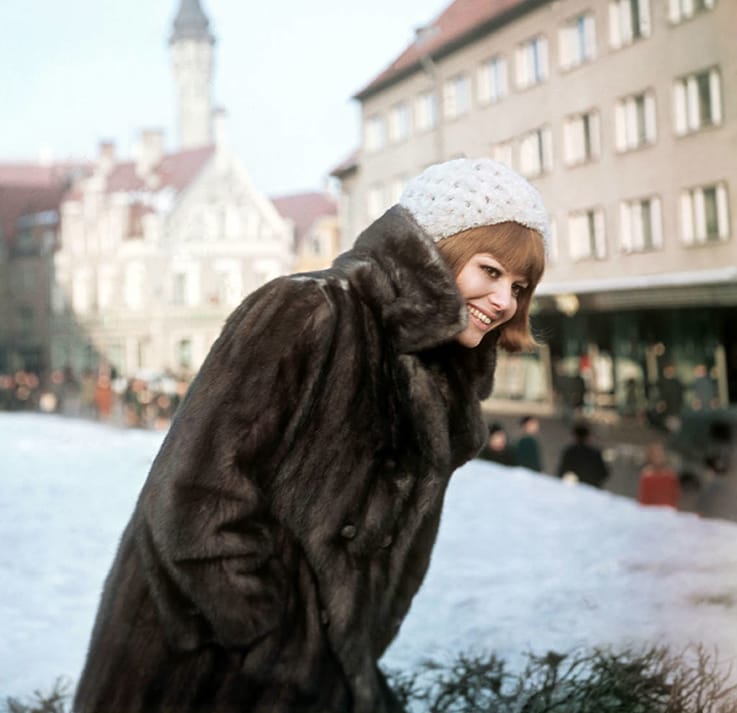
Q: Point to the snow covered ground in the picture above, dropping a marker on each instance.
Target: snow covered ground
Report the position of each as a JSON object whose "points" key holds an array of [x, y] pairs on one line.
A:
{"points": [[523, 563]]}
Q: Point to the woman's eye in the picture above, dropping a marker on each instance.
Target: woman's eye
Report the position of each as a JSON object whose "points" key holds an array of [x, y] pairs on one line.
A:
{"points": [[517, 290], [491, 270]]}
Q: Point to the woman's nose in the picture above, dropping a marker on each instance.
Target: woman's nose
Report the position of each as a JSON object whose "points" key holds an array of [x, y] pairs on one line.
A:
{"points": [[501, 297]]}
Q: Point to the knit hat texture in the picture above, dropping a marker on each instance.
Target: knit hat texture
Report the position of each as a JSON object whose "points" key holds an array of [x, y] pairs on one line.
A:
{"points": [[464, 193]]}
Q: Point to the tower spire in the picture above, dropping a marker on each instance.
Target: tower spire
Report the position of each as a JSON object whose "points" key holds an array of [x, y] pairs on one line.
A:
{"points": [[191, 46], [191, 23]]}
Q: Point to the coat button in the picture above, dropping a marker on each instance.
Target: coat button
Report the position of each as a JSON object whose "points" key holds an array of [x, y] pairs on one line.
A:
{"points": [[324, 618], [386, 542], [348, 531]]}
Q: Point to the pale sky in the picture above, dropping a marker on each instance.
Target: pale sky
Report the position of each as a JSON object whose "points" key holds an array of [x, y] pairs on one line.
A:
{"points": [[74, 72]]}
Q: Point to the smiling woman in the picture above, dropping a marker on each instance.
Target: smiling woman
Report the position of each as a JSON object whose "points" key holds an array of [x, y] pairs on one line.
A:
{"points": [[489, 262], [289, 517]]}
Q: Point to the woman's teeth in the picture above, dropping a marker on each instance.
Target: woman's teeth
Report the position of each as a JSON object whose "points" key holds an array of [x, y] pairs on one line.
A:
{"points": [[479, 315]]}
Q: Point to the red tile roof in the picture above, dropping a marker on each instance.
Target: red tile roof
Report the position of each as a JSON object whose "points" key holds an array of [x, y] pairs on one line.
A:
{"points": [[36, 174], [175, 170], [456, 24], [304, 209], [17, 201]]}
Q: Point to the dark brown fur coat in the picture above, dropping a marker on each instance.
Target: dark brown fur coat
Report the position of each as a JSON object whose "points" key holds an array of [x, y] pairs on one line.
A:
{"points": [[288, 519]]}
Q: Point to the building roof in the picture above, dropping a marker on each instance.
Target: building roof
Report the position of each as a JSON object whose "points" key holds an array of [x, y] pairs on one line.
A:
{"points": [[191, 23], [18, 201], [37, 174], [175, 170], [459, 23], [303, 209], [348, 164]]}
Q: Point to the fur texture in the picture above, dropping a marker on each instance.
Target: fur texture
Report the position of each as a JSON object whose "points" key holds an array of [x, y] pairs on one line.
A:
{"points": [[288, 519]]}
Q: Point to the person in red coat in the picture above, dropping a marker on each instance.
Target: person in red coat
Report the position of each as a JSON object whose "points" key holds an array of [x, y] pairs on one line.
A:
{"points": [[658, 482]]}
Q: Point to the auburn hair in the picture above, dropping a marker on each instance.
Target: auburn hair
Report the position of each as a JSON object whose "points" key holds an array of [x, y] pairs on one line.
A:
{"points": [[520, 250]]}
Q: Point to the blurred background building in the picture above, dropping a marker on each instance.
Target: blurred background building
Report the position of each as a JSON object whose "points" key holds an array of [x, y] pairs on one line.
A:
{"points": [[624, 114]]}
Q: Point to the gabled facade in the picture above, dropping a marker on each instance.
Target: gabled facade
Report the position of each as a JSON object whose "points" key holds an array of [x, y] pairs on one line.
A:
{"points": [[624, 114], [154, 255], [313, 217]]}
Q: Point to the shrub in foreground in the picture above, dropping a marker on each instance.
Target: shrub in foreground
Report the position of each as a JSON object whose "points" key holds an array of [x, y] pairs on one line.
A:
{"points": [[585, 681]]}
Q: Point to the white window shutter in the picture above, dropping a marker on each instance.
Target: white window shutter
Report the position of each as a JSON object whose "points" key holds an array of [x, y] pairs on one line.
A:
{"points": [[631, 123], [692, 103], [709, 3], [674, 10], [521, 66], [656, 226], [645, 23], [615, 34], [638, 232], [620, 126], [699, 209], [547, 139], [625, 228], [715, 93], [687, 231], [722, 211], [600, 234], [651, 129], [578, 243], [679, 107], [595, 134], [544, 61], [589, 37], [565, 38], [502, 77], [568, 151], [688, 8], [625, 21], [484, 81]]}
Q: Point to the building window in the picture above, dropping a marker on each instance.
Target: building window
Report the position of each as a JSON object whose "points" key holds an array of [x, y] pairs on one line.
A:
{"points": [[396, 186], [536, 152], [679, 10], [532, 62], [492, 80], [456, 96], [504, 153], [581, 138], [184, 353], [629, 20], [586, 234], [179, 288], [697, 101], [704, 214], [229, 282], [375, 201], [375, 136], [634, 121], [135, 278], [426, 111], [641, 225], [25, 318], [398, 123], [577, 41]]}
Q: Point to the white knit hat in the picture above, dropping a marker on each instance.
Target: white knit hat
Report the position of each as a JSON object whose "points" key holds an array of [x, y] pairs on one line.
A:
{"points": [[464, 193]]}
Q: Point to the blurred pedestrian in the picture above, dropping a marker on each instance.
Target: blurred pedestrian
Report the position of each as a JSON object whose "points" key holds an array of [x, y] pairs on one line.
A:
{"points": [[289, 518], [527, 448], [703, 390], [497, 447], [670, 398], [581, 461], [658, 481]]}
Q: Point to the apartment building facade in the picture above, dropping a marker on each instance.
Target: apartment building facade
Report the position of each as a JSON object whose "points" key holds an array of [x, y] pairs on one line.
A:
{"points": [[623, 113]]}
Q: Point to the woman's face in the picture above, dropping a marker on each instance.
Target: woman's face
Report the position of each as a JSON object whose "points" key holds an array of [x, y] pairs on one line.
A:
{"points": [[490, 292]]}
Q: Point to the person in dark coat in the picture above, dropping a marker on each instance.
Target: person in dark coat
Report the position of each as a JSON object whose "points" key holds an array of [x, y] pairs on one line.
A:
{"points": [[527, 449], [288, 519], [497, 448], [583, 460]]}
